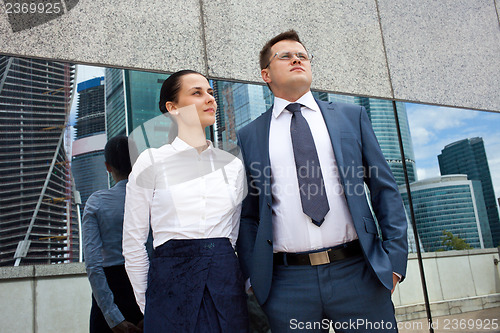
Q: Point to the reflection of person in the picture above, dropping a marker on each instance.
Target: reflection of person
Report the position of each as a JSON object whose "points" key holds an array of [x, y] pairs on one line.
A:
{"points": [[113, 302], [307, 162], [190, 193]]}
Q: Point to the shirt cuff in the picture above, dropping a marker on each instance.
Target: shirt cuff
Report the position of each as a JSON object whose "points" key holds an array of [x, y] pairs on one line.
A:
{"points": [[248, 285], [114, 317]]}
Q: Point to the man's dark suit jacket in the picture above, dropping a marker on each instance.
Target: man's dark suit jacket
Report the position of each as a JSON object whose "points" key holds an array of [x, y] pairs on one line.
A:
{"points": [[359, 160]]}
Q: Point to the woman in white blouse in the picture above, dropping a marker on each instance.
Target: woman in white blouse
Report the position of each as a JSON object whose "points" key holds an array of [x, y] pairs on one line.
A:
{"points": [[190, 194]]}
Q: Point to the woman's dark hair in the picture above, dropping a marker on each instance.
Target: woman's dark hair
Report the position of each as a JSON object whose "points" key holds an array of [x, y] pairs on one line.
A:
{"points": [[171, 86], [117, 155]]}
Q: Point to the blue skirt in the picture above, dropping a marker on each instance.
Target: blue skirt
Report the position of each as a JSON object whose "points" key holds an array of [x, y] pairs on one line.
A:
{"points": [[195, 286]]}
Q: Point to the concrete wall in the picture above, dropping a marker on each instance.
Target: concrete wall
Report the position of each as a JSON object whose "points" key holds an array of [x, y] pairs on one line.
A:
{"points": [[457, 281], [437, 52], [50, 298], [56, 298]]}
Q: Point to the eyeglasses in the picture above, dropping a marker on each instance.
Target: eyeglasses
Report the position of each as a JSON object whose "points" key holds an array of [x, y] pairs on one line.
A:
{"points": [[285, 55]]}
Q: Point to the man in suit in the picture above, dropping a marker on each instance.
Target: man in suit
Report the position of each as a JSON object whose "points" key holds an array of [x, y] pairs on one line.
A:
{"points": [[308, 244]]}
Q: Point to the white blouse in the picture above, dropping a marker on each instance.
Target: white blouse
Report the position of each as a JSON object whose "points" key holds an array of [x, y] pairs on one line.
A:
{"points": [[183, 194]]}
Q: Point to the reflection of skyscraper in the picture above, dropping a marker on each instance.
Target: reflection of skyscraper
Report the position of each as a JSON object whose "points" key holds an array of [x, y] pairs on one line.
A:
{"points": [[36, 201], [116, 113], [468, 157], [381, 115], [238, 104], [451, 203], [88, 148], [131, 99]]}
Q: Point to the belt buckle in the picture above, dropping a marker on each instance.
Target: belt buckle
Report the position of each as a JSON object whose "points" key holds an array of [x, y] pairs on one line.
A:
{"points": [[319, 258]]}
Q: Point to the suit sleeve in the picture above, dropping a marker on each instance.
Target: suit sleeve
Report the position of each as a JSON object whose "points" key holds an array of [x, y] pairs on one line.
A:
{"points": [[385, 198], [249, 221]]}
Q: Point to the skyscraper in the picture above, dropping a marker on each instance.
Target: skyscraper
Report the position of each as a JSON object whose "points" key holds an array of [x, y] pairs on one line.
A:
{"points": [[381, 115], [116, 113], [88, 148], [237, 105], [468, 157], [37, 211], [451, 203], [131, 99]]}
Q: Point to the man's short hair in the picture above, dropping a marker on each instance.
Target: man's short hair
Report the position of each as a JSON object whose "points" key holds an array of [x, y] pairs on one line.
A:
{"points": [[117, 155], [265, 53]]}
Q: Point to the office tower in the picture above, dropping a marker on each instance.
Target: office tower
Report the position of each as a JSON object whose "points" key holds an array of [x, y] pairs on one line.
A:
{"points": [[37, 211], [451, 203], [468, 157], [131, 99], [381, 115], [116, 113], [238, 104], [88, 167]]}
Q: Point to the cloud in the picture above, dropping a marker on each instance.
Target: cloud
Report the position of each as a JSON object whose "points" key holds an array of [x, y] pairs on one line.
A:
{"points": [[437, 117], [433, 127], [424, 173], [421, 135]]}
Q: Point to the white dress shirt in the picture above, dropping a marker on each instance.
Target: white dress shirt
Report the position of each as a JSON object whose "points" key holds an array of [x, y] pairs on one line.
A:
{"points": [[183, 194], [293, 230]]}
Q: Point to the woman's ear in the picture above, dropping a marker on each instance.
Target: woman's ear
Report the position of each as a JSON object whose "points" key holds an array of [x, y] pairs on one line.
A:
{"points": [[171, 108]]}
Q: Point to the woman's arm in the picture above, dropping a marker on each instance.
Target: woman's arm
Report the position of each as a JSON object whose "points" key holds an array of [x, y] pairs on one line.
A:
{"points": [[136, 226], [241, 192]]}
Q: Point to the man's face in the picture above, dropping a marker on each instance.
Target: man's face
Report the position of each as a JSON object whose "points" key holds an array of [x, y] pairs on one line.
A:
{"points": [[288, 76]]}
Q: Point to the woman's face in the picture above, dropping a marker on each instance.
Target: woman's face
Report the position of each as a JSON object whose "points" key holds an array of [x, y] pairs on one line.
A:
{"points": [[195, 90]]}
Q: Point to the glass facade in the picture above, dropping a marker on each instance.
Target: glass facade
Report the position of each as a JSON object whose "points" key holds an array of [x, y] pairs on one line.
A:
{"points": [[88, 167], [90, 174], [381, 115], [237, 105], [131, 99], [116, 114], [452, 180]]}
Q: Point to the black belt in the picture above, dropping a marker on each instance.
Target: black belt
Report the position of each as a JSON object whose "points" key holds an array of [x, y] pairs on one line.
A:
{"points": [[336, 253]]}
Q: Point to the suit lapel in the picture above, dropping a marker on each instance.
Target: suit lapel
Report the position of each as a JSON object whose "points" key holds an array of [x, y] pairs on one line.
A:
{"points": [[262, 141], [262, 132], [330, 115]]}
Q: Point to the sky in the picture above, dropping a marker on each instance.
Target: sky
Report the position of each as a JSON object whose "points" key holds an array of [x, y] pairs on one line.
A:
{"points": [[433, 127]]}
